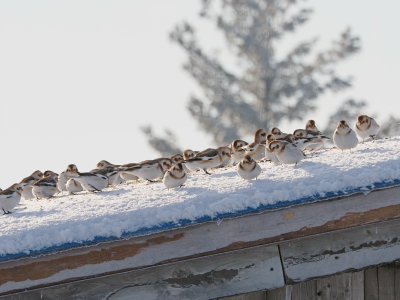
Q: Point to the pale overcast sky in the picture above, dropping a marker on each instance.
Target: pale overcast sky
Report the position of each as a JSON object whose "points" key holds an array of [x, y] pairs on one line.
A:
{"points": [[78, 78]]}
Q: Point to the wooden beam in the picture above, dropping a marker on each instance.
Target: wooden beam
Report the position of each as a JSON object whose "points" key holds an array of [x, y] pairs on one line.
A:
{"points": [[340, 251], [220, 275], [200, 240]]}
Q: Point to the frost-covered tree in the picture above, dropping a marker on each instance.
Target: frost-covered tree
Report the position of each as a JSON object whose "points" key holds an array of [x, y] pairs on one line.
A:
{"points": [[264, 86]]}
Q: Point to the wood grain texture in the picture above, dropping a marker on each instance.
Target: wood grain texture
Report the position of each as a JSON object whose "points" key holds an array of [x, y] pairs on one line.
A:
{"points": [[277, 294], [200, 240], [397, 280], [371, 284], [334, 287], [340, 251], [261, 295], [386, 280], [305, 291], [357, 285], [202, 278]]}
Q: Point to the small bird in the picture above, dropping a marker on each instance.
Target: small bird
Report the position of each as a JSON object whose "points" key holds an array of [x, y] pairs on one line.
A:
{"points": [[47, 186], [248, 168], [310, 125], [148, 169], [344, 137], [188, 153], [257, 149], [175, 176], [90, 181], [27, 183], [277, 133], [165, 163], [111, 171], [9, 198], [366, 127], [176, 159], [209, 158], [309, 139], [286, 152], [269, 154], [63, 178], [238, 152]]}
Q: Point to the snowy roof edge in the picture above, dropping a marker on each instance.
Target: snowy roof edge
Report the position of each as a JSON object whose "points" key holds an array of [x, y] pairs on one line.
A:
{"points": [[186, 222]]}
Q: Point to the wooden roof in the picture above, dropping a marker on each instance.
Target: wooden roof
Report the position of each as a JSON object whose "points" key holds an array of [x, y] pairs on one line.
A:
{"points": [[233, 255]]}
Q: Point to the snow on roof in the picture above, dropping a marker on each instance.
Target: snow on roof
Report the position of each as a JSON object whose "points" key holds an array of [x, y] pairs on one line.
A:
{"points": [[141, 208]]}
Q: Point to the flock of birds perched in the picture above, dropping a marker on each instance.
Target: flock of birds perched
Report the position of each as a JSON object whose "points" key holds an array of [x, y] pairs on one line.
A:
{"points": [[276, 147]]}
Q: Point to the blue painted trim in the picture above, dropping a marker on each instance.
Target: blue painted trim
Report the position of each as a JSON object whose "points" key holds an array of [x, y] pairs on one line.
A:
{"points": [[185, 222]]}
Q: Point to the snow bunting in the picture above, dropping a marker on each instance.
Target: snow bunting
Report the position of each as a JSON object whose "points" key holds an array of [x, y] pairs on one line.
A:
{"points": [[9, 198], [277, 133], [47, 186], [286, 152], [90, 181], [148, 169], [66, 175], [248, 168], [27, 182], [209, 158], [188, 153], [238, 152], [105, 164], [310, 125], [111, 171], [269, 154], [175, 176], [344, 137], [257, 149], [366, 127], [176, 159], [312, 140]]}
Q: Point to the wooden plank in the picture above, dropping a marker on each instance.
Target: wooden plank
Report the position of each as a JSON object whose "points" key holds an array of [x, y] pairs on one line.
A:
{"points": [[304, 291], [371, 284], [357, 285], [386, 282], [277, 294], [220, 275], [200, 240], [249, 296], [345, 250], [334, 287], [397, 280]]}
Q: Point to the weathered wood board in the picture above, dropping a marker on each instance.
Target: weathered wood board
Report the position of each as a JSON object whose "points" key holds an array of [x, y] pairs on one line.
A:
{"points": [[202, 278], [340, 251], [200, 240]]}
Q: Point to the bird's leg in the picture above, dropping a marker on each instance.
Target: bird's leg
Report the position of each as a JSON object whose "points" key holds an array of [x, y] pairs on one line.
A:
{"points": [[4, 211], [181, 185], [205, 171]]}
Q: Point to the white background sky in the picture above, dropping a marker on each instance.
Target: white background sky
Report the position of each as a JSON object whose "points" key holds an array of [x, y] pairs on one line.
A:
{"points": [[78, 78]]}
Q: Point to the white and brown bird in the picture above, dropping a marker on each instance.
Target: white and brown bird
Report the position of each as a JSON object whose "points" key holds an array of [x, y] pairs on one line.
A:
{"points": [[27, 183], [176, 159], [238, 151], [89, 181], [269, 154], [366, 127], [256, 150], [175, 176], [310, 125], [248, 168], [47, 186], [10, 197], [277, 133], [344, 137], [209, 158], [149, 169], [286, 152], [66, 175], [188, 153], [309, 139]]}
